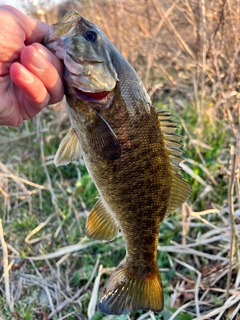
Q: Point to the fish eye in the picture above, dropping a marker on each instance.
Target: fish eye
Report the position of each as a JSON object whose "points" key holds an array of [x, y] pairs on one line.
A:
{"points": [[92, 36]]}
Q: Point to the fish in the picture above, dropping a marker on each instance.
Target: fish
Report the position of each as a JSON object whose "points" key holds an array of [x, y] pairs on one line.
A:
{"points": [[131, 151]]}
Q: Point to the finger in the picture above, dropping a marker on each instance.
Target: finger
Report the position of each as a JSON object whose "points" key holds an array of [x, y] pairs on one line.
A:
{"points": [[34, 29], [31, 91], [46, 67], [50, 56]]}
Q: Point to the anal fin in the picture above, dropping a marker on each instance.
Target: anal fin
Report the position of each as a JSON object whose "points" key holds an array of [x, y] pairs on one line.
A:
{"points": [[100, 224]]}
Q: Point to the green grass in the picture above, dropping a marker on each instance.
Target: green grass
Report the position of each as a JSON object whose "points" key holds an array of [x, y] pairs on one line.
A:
{"points": [[75, 193], [69, 195]]}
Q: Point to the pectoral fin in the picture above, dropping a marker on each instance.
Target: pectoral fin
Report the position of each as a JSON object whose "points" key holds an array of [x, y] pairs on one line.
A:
{"points": [[100, 224], [102, 138], [68, 150]]}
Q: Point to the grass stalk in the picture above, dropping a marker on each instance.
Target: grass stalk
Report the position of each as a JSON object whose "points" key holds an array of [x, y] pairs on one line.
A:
{"points": [[232, 219], [9, 299], [203, 58]]}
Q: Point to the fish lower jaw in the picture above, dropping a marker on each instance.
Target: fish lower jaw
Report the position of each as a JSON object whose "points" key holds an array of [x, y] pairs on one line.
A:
{"points": [[101, 98]]}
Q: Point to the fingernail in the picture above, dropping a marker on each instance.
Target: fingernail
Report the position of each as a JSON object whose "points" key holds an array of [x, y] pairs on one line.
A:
{"points": [[39, 62], [26, 76], [45, 53]]}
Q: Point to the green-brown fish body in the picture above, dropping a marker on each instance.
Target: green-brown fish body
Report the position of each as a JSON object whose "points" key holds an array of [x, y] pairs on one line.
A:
{"points": [[130, 151]]}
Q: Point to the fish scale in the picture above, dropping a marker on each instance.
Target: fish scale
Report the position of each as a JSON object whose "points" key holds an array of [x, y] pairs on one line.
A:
{"points": [[131, 152]]}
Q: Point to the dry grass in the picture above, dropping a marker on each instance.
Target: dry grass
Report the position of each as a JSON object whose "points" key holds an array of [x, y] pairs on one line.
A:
{"points": [[187, 53]]}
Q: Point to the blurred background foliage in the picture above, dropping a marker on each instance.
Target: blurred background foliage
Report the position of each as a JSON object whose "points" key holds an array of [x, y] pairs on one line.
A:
{"points": [[187, 54]]}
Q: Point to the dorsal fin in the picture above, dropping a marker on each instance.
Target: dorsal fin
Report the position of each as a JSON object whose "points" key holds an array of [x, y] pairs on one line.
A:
{"points": [[180, 189], [180, 192]]}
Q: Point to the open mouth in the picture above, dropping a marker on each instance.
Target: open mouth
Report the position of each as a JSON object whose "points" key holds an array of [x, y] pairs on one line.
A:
{"points": [[92, 96]]}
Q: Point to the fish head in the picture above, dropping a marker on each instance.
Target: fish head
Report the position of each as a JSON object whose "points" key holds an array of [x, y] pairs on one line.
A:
{"points": [[84, 49]]}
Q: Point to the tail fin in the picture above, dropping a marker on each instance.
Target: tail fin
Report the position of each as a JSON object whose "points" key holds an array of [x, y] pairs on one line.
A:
{"points": [[124, 293]]}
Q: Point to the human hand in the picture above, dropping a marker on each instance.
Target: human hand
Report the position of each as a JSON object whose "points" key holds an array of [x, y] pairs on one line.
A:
{"points": [[30, 75]]}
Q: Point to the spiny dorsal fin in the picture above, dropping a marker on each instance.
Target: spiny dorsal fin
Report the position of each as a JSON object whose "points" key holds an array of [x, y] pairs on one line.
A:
{"points": [[180, 189], [171, 139], [68, 150], [100, 224]]}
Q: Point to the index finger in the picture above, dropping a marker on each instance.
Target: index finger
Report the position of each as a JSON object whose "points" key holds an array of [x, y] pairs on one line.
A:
{"points": [[34, 29], [46, 67]]}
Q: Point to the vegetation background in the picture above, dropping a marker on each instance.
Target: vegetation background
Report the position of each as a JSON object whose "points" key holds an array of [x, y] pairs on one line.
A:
{"points": [[187, 53]]}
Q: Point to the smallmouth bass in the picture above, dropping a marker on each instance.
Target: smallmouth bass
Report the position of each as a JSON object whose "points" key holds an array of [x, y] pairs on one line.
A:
{"points": [[131, 152]]}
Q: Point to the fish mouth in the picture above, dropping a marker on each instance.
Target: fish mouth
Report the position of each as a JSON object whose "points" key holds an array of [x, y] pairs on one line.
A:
{"points": [[82, 89], [102, 97], [82, 61]]}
